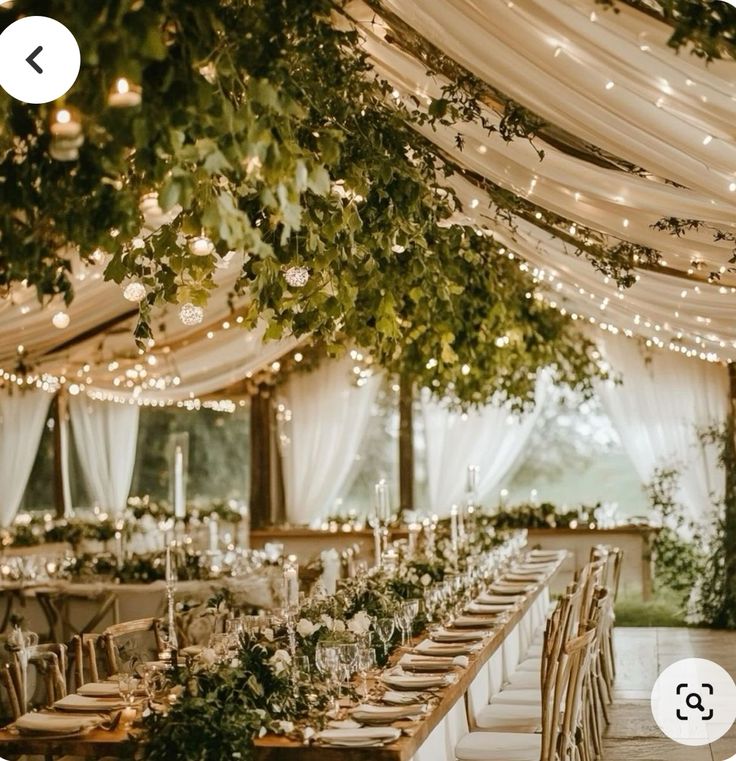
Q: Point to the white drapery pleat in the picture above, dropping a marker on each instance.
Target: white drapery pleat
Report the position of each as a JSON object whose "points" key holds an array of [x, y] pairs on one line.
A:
{"points": [[106, 434], [22, 417], [492, 438], [659, 410], [329, 416]]}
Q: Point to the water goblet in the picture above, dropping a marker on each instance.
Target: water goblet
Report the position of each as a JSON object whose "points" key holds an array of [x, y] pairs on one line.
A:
{"points": [[385, 628]]}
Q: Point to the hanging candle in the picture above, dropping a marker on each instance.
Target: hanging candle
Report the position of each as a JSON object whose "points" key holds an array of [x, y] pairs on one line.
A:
{"points": [[190, 314], [201, 245], [65, 123], [124, 94], [296, 277], [135, 292]]}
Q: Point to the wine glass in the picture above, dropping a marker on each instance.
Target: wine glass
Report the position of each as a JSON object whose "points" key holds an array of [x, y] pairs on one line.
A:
{"points": [[301, 669], [404, 619], [366, 664], [348, 658], [385, 628], [327, 660], [127, 685]]}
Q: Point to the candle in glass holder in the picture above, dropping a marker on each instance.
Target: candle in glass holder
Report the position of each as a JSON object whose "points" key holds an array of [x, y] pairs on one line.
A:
{"points": [[169, 566], [214, 533], [414, 530], [473, 472], [377, 543], [180, 509], [382, 509], [291, 585], [454, 536], [124, 94]]}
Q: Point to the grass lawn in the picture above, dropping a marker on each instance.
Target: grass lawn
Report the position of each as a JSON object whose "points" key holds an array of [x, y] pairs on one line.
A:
{"points": [[664, 609]]}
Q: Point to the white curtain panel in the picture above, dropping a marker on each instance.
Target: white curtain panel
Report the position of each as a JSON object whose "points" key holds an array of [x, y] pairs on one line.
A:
{"points": [[492, 438], [22, 417], [659, 409], [329, 417], [106, 434]]}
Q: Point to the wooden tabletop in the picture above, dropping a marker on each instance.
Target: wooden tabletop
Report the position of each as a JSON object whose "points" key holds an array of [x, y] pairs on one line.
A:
{"points": [[273, 748], [94, 744]]}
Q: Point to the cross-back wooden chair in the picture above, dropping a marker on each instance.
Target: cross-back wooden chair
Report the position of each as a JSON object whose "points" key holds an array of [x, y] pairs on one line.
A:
{"points": [[50, 664], [118, 638]]}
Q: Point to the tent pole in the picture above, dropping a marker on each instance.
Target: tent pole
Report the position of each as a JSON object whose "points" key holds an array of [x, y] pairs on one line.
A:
{"points": [[261, 458]]}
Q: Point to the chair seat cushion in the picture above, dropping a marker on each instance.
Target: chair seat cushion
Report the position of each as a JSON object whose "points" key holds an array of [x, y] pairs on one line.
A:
{"points": [[511, 718], [530, 664], [524, 680], [513, 696], [499, 746]]}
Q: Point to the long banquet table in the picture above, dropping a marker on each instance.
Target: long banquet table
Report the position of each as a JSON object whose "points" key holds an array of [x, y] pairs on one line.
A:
{"points": [[431, 739], [434, 737]]}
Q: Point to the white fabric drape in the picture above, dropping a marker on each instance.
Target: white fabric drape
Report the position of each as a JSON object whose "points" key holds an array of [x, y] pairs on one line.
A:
{"points": [[22, 417], [659, 409], [106, 434], [492, 438], [329, 416]]}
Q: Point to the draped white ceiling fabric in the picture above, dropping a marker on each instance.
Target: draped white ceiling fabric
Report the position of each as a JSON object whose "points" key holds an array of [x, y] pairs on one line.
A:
{"points": [[106, 435], [493, 438], [329, 415], [660, 408], [611, 81], [22, 418]]}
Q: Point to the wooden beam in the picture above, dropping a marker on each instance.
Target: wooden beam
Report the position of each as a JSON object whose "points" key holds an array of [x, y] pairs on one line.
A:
{"points": [[261, 459], [406, 444]]}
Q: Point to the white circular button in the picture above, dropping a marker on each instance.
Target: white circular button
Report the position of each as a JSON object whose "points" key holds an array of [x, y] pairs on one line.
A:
{"points": [[694, 702], [39, 59]]}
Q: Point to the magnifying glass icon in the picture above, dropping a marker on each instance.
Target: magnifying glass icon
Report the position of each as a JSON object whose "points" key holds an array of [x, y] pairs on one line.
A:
{"points": [[693, 700]]}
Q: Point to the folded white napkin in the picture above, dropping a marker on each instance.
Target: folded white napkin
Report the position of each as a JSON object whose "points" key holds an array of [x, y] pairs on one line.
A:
{"points": [[428, 647], [453, 635], [490, 610], [517, 576], [367, 713], [506, 588], [99, 690], [405, 697], [503, 601], [400, 680], [412, 662], [55, 724], [364, 736], [82, 703], [475, 622]]}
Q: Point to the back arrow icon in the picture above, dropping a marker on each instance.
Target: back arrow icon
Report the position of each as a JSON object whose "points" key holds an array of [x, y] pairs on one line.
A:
{"points": [[32, 59]]}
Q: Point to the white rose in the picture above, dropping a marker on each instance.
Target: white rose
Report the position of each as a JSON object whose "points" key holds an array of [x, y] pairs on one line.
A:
{"points": [[268, 634], [287, 727], [360, 623], [326, 620], [280, 661], [306, 628], [338, 626], [426, 580]]}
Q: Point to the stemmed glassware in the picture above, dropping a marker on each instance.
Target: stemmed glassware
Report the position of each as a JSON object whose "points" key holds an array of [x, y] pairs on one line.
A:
{"points": [[366, 664], [348, 659], [385, 628], [404, 619], [327, 660]]}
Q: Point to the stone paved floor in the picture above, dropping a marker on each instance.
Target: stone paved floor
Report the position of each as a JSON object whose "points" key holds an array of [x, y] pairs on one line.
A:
{"points": [[641, 654]]}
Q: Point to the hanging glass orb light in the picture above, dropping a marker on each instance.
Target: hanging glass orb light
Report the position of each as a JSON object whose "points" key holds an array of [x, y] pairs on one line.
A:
{"points": [[297, 277], [201, 245], [61, 320], [135, 292], [190, 314]]}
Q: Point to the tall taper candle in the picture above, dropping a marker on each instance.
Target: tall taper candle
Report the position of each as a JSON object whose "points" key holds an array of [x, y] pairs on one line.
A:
{"points": [[453, 527], [169, 567], [180, 507]]}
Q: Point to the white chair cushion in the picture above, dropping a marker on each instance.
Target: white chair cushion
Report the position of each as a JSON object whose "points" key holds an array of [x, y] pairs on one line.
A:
{"points": [[499, 746], [530, 664], [511, 718], [524, 680], [518, 697]]}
